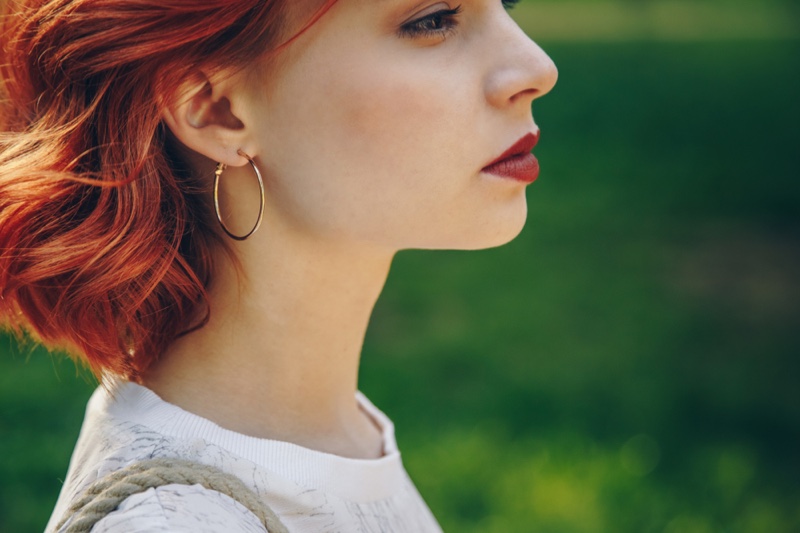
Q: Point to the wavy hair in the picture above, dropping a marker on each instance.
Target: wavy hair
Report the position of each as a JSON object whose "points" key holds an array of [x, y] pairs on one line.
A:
{"points": [[105, 240]]}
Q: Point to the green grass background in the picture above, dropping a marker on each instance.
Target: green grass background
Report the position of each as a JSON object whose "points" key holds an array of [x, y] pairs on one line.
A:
{"points": [[630, 362]]}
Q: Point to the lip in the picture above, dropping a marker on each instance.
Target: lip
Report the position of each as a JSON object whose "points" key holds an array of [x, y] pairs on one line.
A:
{"points": [[517, 163]]}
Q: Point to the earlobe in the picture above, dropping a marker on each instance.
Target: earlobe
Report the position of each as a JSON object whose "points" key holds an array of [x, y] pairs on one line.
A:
{"points": [[200, 116]]}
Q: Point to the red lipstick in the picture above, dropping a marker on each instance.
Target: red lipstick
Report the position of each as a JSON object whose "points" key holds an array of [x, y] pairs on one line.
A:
{"points": [[517, 162]]}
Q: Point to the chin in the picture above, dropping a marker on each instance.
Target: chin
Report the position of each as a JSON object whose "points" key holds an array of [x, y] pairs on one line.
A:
{"points": [[501, 226], [499, 238], [491, 231]]}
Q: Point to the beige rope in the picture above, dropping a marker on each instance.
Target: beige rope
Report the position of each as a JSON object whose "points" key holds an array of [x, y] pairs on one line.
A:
{"points": [[104, 495]]}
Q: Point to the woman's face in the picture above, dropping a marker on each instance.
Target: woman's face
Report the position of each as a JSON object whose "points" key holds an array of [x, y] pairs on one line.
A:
{"points": [[377, 121]]}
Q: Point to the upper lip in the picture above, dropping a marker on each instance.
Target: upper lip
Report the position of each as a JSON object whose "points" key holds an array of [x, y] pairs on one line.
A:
{"points": [[523, 146]]}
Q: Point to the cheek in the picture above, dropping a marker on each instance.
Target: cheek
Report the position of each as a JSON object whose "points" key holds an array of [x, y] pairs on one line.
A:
{"points": [[400, 143], [387, 147], [387, 107], [387, 154], [408, 124]]}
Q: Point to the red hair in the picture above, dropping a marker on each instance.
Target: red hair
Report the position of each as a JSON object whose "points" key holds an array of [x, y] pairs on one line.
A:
{"points": [[105, 238]]}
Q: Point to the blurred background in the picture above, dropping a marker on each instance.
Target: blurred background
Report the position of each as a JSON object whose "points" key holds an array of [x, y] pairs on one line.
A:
{"points": [[630, 362]]}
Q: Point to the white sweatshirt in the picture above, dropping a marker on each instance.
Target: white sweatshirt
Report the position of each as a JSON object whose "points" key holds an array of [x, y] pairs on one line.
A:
{"points": [[311, 491]]}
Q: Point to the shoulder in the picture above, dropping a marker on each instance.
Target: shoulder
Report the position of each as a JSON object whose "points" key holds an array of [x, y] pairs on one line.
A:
{"points": [[179, 508]]}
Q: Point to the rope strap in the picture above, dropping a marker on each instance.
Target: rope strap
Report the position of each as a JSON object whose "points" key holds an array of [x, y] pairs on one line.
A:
{"points": [[104, 495]]}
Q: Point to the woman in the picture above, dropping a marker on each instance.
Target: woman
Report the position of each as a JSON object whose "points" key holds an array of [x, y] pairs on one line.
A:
{"points": [[201, 200]]}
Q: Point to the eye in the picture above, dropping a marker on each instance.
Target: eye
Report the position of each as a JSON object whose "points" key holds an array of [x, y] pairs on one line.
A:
{"points": [[439, 24], [509, 4]]}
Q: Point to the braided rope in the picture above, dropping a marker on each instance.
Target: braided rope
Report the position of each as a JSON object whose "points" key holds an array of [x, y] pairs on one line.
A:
{"points": [[104, 495]]}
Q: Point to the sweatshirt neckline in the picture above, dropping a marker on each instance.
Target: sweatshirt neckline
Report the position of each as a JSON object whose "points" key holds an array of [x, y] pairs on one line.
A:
{"points": [[354, 479]]}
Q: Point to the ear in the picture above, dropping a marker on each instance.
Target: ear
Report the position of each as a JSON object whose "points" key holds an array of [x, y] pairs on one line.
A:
{"points": [[201, 114]]}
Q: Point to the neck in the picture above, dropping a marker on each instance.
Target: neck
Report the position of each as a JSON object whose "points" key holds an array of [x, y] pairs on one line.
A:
{"points": [[279, 356]]}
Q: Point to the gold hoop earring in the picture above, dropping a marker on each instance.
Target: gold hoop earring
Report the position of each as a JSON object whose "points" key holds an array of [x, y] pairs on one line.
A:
{"points": [[217, 173]]}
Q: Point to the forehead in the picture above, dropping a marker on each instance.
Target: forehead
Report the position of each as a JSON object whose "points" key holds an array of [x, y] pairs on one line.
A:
{"points": [[300, 15], [301, 10]]}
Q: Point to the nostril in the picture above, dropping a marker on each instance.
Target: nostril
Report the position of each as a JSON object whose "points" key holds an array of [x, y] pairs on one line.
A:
{"points": [[527, 94]]}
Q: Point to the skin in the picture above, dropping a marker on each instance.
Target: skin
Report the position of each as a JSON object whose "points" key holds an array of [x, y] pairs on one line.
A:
{"points": [[370, 142]]}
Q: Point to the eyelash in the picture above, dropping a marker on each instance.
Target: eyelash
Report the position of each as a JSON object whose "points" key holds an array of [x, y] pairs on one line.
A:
{"points": [[440, 24], [444, 23]]}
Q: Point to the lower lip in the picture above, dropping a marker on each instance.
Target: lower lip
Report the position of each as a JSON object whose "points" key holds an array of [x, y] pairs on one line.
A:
{"points": [[524, 168]]}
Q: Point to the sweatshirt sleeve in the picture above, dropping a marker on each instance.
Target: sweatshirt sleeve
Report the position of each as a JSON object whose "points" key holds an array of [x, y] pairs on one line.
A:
{"points": [[180, 509]]}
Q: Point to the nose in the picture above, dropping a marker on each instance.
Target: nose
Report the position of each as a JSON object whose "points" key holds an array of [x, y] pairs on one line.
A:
{"points": [[521, 71]]}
